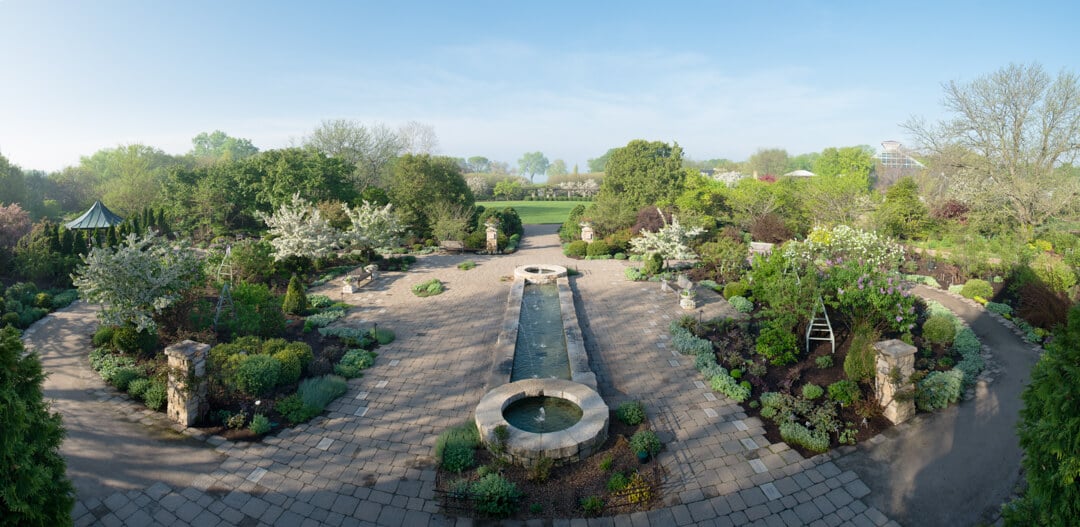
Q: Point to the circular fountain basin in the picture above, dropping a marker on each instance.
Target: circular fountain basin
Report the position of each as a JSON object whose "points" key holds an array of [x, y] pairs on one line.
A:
{"points": [[540, 273], [542, 415], [574, 442]]}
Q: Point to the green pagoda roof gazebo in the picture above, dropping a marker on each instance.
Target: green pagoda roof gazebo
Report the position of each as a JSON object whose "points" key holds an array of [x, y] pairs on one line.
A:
{"points": [[98, 217]]}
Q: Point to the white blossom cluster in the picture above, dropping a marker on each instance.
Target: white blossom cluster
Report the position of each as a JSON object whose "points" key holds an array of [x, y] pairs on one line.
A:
{"points": [[139, 278], [298, 229], [670, 241], [825, 246], [373, 226], [586, 188]]}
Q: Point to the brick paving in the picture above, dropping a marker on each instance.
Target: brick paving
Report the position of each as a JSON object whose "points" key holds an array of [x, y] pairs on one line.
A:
{"points": [[368, 460]]}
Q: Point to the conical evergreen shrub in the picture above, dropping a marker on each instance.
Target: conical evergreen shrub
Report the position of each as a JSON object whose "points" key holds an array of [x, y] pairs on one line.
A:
{"points": [[295, 298]]}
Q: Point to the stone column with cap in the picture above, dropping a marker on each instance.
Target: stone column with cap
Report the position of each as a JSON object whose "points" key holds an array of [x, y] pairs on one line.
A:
{"points": [[187, 381], [492, 237], [587, 233], [895, 364]]}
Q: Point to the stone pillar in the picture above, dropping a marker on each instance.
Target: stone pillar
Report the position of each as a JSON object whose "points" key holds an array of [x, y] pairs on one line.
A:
{"points": [[895, 364], [492, 238], [187, 364], [587, 233]]}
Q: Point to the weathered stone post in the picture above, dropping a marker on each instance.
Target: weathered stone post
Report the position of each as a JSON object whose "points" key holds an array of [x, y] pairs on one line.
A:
{"points": [[587, 233], [187, 381], [895, 364], [492, 237]]}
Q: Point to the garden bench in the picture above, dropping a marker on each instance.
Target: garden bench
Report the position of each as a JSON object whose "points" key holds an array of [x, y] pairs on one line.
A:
{"points": [[355, 278], [452, 245]]}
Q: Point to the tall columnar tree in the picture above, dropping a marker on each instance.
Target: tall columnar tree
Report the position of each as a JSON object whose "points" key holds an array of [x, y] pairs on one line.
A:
{"points": [[295, 301], [34, 487], [1050, 435], [138, 279]]}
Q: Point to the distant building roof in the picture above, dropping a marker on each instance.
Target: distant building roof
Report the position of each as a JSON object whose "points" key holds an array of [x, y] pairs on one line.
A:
{"points": [[800, 173], [893, 156], [98, 217]]}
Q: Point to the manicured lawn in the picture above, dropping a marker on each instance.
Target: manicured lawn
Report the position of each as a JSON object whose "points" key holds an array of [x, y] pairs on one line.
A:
{"points": [[534, 212]]}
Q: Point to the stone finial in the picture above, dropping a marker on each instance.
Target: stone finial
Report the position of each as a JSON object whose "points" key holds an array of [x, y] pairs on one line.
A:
{"points": [[187, 381], [895, 364]]}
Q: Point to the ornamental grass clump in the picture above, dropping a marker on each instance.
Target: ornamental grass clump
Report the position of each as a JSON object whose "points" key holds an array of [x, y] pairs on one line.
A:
{"points": [[428, 288]]}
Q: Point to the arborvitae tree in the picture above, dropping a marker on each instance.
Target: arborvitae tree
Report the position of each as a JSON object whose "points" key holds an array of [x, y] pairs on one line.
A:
{"points": [[55, 244], [78, 242], [295, 299], [110, 238], [136, 224], [162, 224], [34, 488], [67, 242], [1050, 435], [147, 217]]}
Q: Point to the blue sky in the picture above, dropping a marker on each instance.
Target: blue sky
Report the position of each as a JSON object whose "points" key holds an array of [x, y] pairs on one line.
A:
{"points": [[498, 79]]}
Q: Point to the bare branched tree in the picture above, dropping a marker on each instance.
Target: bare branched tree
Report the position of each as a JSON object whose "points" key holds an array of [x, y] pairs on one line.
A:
{"points": [[1009, 135]]}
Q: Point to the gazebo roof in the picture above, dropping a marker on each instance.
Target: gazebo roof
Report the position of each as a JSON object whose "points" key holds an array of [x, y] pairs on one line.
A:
{"points": [[98, 217]]}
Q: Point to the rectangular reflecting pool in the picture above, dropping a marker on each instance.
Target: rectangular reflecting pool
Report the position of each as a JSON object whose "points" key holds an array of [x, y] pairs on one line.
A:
{"points": [[540, 350]]}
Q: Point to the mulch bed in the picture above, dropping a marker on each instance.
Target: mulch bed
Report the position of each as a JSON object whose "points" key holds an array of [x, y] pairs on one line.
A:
{"points": [[560, 495]]}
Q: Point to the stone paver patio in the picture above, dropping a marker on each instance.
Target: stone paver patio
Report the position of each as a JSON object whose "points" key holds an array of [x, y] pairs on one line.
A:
{"points": [[368, 460]]}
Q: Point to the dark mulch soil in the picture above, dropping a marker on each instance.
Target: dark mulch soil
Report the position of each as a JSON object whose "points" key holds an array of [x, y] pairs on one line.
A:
{"points": [[866, 416], [560, 495]]}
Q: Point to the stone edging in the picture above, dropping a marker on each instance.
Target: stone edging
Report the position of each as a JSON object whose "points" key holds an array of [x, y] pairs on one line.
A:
{"points": [[564, 446]]}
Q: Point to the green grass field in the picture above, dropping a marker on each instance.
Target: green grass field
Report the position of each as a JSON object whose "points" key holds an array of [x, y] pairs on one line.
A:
{"points": [[535, 212]]}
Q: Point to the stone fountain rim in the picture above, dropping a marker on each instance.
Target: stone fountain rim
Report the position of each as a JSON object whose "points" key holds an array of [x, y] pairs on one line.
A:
{"points": [[567, 445]]}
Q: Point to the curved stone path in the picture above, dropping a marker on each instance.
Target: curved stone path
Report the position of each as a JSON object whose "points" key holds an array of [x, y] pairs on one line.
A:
{"points": [[368, 460], [958, 465]]}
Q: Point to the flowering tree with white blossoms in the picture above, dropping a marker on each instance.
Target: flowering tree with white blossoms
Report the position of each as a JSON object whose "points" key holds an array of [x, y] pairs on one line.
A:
{"points": [[298, 229], [670, 242], [373, 226], [138, 279]]}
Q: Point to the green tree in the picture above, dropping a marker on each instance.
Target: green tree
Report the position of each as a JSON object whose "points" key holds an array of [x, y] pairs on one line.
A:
{"points": [[903, 214], [12, 183], [219, 146], [703, 201], [557, 168], [532, 163], [599, 164], [641, 174], [34, 487], [849, 161], [1022, 125], [420, 182], [295, 301], [1049, 433], [479, 164], [768, 162], [129, 177], [838, 199], [508, 188]]}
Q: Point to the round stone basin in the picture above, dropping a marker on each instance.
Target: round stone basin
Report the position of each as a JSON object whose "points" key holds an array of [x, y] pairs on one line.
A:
{"points": [[540, 273], [577, 441], [541, 415]]}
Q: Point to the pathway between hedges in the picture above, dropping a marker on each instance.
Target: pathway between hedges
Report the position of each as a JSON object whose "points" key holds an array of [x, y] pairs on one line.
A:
{"points": [[368, 460], [956, 466]]}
